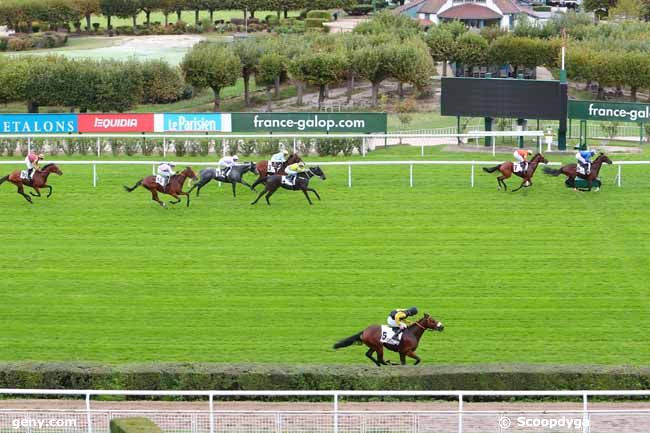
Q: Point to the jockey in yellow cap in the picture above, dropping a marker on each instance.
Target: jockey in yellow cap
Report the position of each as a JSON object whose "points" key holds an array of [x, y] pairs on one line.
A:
{"points": [[293, 170]]}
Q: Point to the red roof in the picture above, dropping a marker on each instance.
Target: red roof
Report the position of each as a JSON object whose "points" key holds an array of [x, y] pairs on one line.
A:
{"points": [[407, 6], [431, 6], [425, 23], [507, 6], [470, 11]]}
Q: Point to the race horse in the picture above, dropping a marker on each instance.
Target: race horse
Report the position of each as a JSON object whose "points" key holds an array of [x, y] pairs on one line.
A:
{"points": [[173, 188], [571, 171], [507, 170], [235, 176], [371, 337], [38, 181], [274, 182], [263, 169]]}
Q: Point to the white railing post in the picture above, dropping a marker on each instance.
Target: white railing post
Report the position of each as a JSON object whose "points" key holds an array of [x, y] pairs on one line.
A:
{"points": [[211, 413], [99, 145], [165, 147], [349, 175], [460, 413], [336, 413], [295, 145], [472, 176], [618, 176], [363, 146], [494, 146], [94, 175], [89, 417], [585, 413], [411, 175], [422, 150], [29, 144]]}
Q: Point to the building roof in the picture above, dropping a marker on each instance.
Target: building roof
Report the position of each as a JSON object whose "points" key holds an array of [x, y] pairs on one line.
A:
{"points": [[507, 6], [431, 6], [470, 11], [407, 6], [425, 22]]}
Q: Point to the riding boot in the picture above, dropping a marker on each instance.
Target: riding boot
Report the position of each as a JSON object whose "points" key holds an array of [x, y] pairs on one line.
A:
{"points": [[396, 334]]}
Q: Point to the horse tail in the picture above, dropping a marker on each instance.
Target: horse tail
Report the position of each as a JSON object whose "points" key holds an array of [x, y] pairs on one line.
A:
{"points": [[552, 172], [3, 179], [134, 186], [491, 169], [356, 338]]}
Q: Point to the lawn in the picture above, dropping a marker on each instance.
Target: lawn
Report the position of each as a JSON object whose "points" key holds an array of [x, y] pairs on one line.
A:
{"points": [[546, 275]]}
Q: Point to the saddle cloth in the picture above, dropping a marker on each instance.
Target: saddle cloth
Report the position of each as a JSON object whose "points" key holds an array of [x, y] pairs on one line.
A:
{"points": [[160, 180], [270, 168], [387, 335], [287, 182], [24, 175], [517, 167], [581, 170]]}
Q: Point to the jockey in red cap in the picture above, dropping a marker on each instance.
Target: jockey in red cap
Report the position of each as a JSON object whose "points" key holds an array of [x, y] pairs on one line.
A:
{"points": [[32, 161]]}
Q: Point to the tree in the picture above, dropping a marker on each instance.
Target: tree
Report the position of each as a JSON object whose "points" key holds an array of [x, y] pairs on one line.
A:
{"points": [[470, 50], [109, 8], [627, 9], [149, 6], [59, 12], [249, 52], [161, 82], [211, 65], [411, 63], [86, 8], [119, 86], [322, 69], [167, 7], [523, 51], [14, 77], [128, 9], [197, 6], [269, 72], [441, 45], [373, 64], [598, 5]]}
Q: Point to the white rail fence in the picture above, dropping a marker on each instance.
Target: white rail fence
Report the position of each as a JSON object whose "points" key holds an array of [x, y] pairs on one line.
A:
{"points": [[432, 412], [349, 164]]}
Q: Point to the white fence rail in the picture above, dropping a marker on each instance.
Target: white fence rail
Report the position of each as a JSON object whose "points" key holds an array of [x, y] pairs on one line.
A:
{"points": [[216, 412], [348, 164]]}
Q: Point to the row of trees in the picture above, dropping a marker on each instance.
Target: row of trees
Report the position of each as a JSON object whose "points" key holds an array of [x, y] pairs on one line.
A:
{"points": [[87, 85], [61, 12]]}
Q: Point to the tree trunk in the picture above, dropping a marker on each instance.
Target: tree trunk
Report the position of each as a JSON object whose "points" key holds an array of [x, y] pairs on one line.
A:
{"points": [[633, 90], [375, 93], [178, 15], [108, 23], [601, 93], [269, 98], [247, 98], [299, 88], [279, 14], [286, 13], [327, 91], [400, 90], [148, 15], [166, 20], [252, 14], [135, 21], [32, 107], [88, 23], [217, 99], [321, 95], [196, 17], [277, 87], [444, 68], [350, 87]]}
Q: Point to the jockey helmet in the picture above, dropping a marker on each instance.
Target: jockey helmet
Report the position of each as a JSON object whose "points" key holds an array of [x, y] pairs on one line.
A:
{"points": [[41, 156], [301, 164], [412, 311], [235, 158], [285, 151], [172, 164]]}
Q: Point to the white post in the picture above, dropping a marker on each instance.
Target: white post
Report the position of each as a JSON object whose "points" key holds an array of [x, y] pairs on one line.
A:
{"points": [[153, 168], [363, 146], [165, 147], [411, 176], [618, 177], [295, 146], [422, 150], [460, 413], [211, 413], [349, 175], [99, 144], [94, 175], [585, 414], [336, 413], [89, 418], [29, 144], [494, 146], [472, 176]]}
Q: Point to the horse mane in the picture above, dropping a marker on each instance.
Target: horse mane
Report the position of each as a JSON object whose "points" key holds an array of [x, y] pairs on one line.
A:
{"points": [[47, 165]]}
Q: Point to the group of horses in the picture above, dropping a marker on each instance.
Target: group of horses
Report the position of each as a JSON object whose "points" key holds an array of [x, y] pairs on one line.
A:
{"points": [[272, 180], [570, 171]]}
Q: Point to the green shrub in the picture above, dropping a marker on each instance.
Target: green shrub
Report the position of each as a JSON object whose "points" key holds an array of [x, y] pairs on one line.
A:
{"points": [[542, 8], [314, 23], [133, 425], [325, 15], [359, 10]]}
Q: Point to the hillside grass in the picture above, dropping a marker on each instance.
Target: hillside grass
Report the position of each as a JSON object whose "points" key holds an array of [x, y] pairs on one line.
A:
{"points": [[545, 275]]}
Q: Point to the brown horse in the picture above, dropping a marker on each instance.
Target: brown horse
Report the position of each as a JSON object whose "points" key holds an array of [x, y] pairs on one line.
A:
{"points": [[263, 169], [571, 171], [173, 188], [274, 182], [407, 346], [38, 181], [507, 170]]}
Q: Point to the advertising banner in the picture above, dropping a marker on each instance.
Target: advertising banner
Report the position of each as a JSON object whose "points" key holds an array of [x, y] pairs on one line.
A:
{"points": [[193, 122], [612, 111], [309, 122], [38, 123], [125, 122]]}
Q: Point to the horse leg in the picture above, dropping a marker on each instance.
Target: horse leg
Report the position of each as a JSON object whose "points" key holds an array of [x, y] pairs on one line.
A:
{"points": [[369, 355], [257, 182], [380, 354], [21, 191], [49, 194], [314, 191], [154, 197], [520, 186], [402, 358], [304, 191], [502, 182], [178, 199], [412, 354], [268, 196], [234, 184], [185, 194], [38, 192], [260, 196]]}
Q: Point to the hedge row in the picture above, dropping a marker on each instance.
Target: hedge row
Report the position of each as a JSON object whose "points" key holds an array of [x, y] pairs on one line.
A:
{"points": [[206, 376], [133, 425]]}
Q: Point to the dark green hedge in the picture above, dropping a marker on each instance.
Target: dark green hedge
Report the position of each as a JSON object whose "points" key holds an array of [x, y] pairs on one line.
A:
{"points": [[204, 376], [134, 425]]}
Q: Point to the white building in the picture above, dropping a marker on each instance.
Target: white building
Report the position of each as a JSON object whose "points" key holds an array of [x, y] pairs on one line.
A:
{"points": [[474, 13]]}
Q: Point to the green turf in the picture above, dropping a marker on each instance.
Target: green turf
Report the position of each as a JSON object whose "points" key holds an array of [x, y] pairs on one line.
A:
{"points": [[546, 275]]}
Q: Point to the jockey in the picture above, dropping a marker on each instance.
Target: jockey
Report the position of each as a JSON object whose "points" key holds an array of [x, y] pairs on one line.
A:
{"points": [[521, 155], [584, 159], [226, 163], [278, 159], [32, 160], [166, 171], [397, 319], [293, 170]]}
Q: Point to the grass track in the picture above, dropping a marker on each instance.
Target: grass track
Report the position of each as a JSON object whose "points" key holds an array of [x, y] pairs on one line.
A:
{"points": [[544, 276]]}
